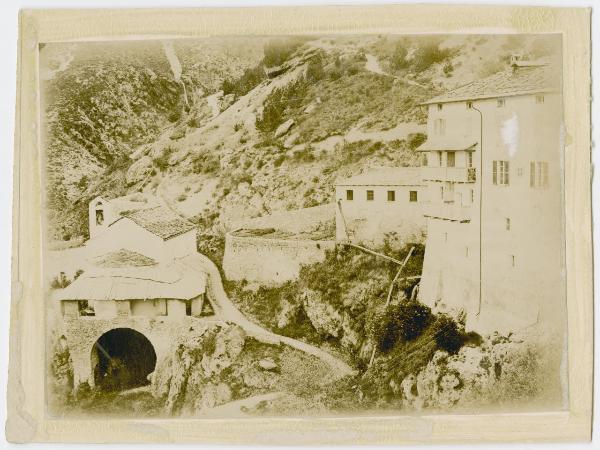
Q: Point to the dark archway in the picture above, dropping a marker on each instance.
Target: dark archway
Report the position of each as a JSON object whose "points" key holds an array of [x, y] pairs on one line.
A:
{"points": [[122, 359]]}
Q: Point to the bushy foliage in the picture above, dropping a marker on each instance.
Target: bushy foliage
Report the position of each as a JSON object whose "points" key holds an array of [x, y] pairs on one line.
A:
{"points": [[448, 336], [288, 97], [162, 161], [251, 78], [60, 281], [398, 59], [277, 51], [429, 54], [206, 162]]}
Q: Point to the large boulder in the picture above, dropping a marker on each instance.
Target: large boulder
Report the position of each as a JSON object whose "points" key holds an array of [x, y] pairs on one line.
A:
{"points": [[326, 319], [139, 170], [284, 128]]}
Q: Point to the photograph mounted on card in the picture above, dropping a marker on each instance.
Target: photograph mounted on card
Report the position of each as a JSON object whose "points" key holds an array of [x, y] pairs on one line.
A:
{"points": [[273, 227]]}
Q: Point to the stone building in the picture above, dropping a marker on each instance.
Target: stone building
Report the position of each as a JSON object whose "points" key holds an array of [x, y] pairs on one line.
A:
{"points": [[381, 201], [144, 285], [494, 248], [139, 223]]}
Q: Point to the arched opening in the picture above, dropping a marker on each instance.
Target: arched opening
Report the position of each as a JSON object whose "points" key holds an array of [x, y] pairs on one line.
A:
{"points": [[122, 359]]}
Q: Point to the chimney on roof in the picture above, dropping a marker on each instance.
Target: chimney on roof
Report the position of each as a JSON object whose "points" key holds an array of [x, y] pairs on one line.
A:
{"points": [[520, 60]]}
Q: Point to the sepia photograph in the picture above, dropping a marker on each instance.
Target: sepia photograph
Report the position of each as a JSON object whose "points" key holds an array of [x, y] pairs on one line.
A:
{"points": [[304, 225]]}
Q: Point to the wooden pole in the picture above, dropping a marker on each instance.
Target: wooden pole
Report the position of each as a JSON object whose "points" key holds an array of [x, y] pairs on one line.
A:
{"points": [[389, 296]]}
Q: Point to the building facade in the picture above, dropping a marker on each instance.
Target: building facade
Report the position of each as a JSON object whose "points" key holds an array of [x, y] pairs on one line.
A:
{"points": [[381, 201], [144, 287], [494, 249]]}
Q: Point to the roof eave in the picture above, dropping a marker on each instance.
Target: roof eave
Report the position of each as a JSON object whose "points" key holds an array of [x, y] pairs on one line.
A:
{"points": [[437, 100]]}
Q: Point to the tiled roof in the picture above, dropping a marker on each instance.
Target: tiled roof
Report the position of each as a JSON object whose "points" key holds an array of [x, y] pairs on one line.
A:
{"points": [[388, 176], [523, 80], [123, 258], [160, 221]]}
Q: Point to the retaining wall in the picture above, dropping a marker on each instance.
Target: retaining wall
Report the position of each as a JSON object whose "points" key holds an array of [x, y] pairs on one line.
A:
{"points": [[270, 260]]}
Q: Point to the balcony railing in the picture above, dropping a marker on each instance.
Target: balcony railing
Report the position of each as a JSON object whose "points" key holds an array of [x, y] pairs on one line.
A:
{"points": [[456, 174], [447, 211]]}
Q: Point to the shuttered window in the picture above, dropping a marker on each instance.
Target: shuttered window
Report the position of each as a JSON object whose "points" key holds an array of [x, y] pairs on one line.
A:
{"points": [[538, 174], [370, 195], [500, 173]]}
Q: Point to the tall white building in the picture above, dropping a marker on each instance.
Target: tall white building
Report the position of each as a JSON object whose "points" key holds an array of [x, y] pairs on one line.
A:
{"points": [[494, 248]]}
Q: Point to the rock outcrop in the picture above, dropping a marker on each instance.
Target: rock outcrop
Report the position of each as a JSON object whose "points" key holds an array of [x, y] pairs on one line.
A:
{"points": [[211, 367], [500, 371]]}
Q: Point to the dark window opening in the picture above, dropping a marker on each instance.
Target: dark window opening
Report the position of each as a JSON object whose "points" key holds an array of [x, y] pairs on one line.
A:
{"points": [[391, 196], [349, 194], [85, 309], [451, 159], [370, 195], [413, 196], [99, 217]]}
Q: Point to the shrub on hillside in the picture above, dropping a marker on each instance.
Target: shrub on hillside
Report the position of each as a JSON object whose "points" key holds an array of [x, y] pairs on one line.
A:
{"points": [[206, 162], [448, 336], [162, 161], [277, 51], [428, 55], [398, 59], [395, 323], [251, 78], [290, 96]]}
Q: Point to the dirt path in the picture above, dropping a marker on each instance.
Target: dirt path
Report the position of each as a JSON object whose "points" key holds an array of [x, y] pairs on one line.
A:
{"points": [[372, 65], [230, 312]]}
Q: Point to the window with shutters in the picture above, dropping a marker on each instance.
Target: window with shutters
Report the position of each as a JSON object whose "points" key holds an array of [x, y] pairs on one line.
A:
{"points": [[439, 159], [538, 174], [413, 196], [451, 159], [370, 195], [500, 173], [469, 159], [349, 194], [439, 126], [391, 196]]}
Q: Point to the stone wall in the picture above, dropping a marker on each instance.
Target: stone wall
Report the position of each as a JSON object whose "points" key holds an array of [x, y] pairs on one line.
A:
{"points": [[270, 260]]}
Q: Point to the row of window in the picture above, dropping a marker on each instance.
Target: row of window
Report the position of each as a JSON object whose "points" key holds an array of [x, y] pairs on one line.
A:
{"points": [[391, 195], [500, 103], [538, 173], [439, 125], [450, 159]]}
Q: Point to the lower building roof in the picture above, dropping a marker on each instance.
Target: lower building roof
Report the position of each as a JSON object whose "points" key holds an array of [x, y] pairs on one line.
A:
{"points": [[182, 278]]}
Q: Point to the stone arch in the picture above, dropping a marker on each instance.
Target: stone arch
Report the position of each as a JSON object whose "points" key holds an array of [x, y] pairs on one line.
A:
{"points": [[122, 358]]}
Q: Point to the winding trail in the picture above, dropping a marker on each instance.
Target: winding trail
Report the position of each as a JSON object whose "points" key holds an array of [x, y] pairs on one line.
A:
{"points": [[372, 65], [229, 311]]}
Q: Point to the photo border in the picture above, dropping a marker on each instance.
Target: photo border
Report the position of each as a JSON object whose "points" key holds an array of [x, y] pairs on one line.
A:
{"points": [[27, 415]]}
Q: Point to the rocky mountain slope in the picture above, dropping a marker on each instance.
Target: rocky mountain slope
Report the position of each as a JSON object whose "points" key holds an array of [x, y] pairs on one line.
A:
{"points": [[224, 128]]}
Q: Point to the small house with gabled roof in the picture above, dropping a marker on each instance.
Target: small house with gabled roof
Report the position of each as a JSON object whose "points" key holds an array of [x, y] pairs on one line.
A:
{"points": [[146, 227]]}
